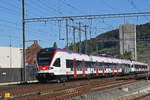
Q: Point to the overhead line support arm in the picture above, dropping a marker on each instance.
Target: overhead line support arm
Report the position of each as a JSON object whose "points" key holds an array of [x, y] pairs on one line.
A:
{"points": [[88, 17]]}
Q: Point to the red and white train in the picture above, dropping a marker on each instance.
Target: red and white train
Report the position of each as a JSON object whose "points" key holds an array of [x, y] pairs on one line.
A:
{"points": [[62, 64]]}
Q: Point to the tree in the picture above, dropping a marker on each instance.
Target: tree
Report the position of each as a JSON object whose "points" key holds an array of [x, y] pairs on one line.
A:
{"points": [[126, 55], [71, 47], [55, 45]]}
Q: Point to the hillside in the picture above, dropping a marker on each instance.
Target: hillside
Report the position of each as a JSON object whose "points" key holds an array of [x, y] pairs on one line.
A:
{"points": [[108, 43]]}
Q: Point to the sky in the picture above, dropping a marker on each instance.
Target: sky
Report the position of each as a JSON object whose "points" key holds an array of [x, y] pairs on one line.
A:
{"points": [[49, 32]]}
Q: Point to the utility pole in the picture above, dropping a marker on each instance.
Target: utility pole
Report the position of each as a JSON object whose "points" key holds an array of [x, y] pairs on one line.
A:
{"points": [[85, 26], [74, 40], [90, 31], [90, 28], [67, 32], [74, 29], [10, 45], [96, 41], [96, 45], [79, 37], [23, 33]]}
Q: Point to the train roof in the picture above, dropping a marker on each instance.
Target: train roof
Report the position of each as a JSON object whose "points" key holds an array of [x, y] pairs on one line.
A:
{"points": [[52, 48], [139, 63], [70, 51]]}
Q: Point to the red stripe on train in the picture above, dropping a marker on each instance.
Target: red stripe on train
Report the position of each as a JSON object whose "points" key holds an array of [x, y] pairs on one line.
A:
{"points": [[74, 66], [103, 69], [97, 74], [113, 69], [83, 64]]}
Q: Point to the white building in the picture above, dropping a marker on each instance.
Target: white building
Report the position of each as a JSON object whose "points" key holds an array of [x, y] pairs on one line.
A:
{"points": [[10, 57]]}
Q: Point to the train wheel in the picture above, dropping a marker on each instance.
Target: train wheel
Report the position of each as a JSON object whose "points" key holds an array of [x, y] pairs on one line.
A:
{"points": [[63, 79], [42, 81], [58, 81], [88, 76]]}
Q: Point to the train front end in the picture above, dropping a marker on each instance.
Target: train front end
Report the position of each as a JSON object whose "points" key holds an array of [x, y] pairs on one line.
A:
{"points": [[44, 59]]}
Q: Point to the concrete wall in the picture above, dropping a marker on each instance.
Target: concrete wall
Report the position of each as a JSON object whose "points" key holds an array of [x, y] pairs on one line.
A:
{"points": [[10, 57], [127, 35], [14, 74]]}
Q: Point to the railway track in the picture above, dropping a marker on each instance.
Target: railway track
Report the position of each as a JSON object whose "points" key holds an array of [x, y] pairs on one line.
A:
{"points": [[62, 91]]}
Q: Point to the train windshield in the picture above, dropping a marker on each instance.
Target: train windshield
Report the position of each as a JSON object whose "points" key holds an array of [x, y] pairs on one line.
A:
{"points": [[45, 56]]}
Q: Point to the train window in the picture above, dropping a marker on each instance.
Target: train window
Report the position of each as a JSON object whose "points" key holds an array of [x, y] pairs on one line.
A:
{"points": [[99, 63], [127, 65], [131, 66], [44, 57], [69, 63], [107, 65], [100, 69], [57, 62], [94, 64], [71, 69], [87, 64], [79, 64], [85, 69], [115, 66]]}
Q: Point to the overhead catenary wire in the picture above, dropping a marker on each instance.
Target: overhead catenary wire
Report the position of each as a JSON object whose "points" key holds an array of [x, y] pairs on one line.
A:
{"points": [[46, 36], [11, 12], [35, 7], [35, 10], [136, 8], [108, 5], [71, 6], [50, 8], [42, 4], [10, 22], [12, 5], [19, 28], [85, 17]]}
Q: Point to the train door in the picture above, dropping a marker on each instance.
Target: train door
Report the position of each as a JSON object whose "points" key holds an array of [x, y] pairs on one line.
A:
{"points": [[63, 69], [117, 68], [123, 68], [91, 66], [131, 68], [57, 66], [128, 68]]}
